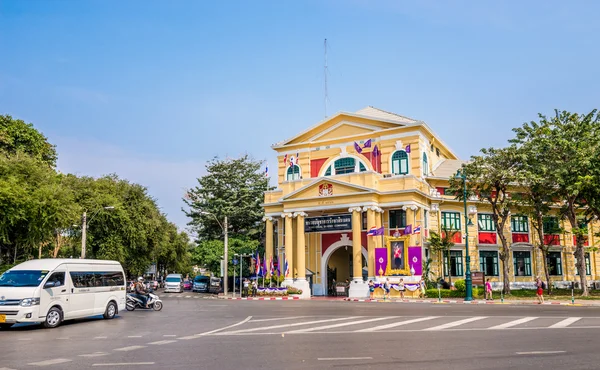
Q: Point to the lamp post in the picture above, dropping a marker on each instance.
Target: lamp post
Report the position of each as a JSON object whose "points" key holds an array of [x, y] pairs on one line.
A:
{"points": [[468, 281], [225, 247], [84, 223]]}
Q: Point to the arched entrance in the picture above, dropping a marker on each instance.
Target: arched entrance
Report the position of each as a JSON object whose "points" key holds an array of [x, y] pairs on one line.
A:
{"points": [[338, 257]]}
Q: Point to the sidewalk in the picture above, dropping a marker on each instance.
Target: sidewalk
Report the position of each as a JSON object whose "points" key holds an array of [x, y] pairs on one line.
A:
{"points": [[479, 301]]}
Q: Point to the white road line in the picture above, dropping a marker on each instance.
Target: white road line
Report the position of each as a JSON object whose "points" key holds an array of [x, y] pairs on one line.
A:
{"points": [[513, 323], [130, 348], [62, 338], [539, 352], [338, 325], [455, 323], [216, 330], [279, 318], [6, 368], [564, 323], [343, 358], [50, 362], [161, 342], [97, 354], [290, 325], [169, 335], [134, 336], [24, 339], [395, 324], [125, 364], [100, 337]]}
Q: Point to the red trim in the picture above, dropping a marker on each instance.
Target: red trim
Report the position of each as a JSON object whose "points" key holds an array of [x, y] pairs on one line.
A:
{"points": [[487, 238], [457, 237], [552, 239], [520, 238], [586, 243], [315, 166]]}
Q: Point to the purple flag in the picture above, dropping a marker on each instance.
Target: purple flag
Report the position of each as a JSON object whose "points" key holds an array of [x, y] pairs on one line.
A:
{"points": [[407, 149], [357, 147], [367, 144], [408, 230], [414, 260], [376, 151], [381, 258]]}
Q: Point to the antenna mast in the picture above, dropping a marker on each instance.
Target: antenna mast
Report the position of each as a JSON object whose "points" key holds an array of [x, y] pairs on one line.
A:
{"points": [[325, 73]]}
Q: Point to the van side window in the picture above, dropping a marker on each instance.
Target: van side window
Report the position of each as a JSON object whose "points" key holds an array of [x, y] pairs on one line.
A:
{"points": [[57, 276], [97, 279]]}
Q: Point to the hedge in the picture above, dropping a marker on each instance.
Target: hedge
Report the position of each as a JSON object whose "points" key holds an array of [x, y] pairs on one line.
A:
{"points": [[447, 293]]}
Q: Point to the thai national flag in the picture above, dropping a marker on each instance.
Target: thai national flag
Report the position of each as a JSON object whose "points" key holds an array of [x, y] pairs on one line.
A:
{"points": [[297, 158], [417, 230], [285, 159], [271, 266], [372, 231], [266, 266], [286, 268], [257, 263], [267, 170]]}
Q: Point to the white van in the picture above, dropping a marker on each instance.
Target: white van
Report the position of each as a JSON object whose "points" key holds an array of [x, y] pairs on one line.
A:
{"points": [[49, 291], [174, 283]]}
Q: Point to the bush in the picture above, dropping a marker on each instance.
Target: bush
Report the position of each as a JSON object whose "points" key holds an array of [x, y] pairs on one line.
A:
{"points": [[460, 285], [292, 290]]}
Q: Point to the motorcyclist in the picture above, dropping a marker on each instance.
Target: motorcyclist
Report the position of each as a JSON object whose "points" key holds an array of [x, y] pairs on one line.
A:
{"points": [[141, 292]]}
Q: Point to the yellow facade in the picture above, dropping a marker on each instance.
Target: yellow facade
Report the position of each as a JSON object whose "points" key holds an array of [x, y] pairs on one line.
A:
{"points": [[393, 183]]}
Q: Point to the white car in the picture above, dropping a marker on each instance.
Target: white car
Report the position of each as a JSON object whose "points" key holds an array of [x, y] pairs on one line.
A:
{"points": [[49, 291], [174, 283]]}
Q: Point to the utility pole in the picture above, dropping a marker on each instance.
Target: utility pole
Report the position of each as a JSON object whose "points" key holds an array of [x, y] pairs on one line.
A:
{"points": [[226, 262], [83, 233]]}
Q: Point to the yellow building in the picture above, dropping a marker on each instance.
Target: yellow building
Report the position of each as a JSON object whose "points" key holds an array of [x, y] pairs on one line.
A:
{"points": [[381, 172]]}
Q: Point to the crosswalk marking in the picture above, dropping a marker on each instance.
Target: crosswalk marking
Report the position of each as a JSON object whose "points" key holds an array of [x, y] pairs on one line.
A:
{"points": [[455, 323], [97, 354], [130, 348], [564, 323], [161, 342], [395, 324], [339, 325], [290, 325], [513, 323]]}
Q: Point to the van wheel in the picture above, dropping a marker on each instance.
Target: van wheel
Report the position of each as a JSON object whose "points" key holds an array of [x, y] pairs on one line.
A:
{"points": [[53, 318], [111, 310], [5, 326]]}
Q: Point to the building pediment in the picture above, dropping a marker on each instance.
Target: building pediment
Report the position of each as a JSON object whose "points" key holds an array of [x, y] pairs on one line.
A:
{"points": [[327, 188]]}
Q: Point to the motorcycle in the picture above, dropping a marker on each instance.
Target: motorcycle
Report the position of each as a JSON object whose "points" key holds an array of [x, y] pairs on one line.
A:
{"points": [[134, 302]]}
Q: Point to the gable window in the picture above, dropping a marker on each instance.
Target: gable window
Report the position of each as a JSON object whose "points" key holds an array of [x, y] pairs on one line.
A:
{"points": [[400, 163], [425, 165], [451, 220], [519, 224], [293, 173], [550, 225], [485, 222], [397, 219], [345, 165]]}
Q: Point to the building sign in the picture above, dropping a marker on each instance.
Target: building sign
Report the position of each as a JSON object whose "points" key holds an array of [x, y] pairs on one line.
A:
{"points": [[325, 190], [328, 223]]}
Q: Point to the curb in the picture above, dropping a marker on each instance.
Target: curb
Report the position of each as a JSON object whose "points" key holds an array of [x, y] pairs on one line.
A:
{"points": [[261, 298], [435, 301]]}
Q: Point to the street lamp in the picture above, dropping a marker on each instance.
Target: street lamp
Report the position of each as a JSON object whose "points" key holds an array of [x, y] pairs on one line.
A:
{"points": [[241, 263], [468, 281], [225, 257], [84, 222]]}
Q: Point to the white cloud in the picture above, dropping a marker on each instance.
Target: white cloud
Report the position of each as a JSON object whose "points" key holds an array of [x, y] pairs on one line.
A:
{"points": [[166, 180]]}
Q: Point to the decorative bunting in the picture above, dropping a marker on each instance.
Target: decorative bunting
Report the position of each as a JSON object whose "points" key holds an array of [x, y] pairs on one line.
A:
{"points": [[407, 149], [357, 148], [367, 144], [376, 152]]}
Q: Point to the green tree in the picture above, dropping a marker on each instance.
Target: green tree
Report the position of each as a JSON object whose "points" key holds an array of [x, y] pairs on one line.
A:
{"points": [[569, 142], [209, 253], [441, 243], [16, 136], [489, 177]]}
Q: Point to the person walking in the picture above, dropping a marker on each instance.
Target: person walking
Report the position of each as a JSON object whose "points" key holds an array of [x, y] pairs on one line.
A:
{"points": [[540, 289], [401, 288], [245, 288], [386, 289], [488, 290], [254, 288], [371, 289], [423, 288]]}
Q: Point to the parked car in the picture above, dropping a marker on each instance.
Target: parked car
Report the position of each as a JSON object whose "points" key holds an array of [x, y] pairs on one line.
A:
{"points": [[174, 283], [201, 284], [187, 285], [215, 285]]}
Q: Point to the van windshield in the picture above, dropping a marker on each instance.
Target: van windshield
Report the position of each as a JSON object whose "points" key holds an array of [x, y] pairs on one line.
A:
{"points": [[173, 280], [19, 278], [201, 279]]}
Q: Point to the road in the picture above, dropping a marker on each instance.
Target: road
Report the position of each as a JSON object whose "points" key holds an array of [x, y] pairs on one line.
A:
{"points": [[200, 332]]}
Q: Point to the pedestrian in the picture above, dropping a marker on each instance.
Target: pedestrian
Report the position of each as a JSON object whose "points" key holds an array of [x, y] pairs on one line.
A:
{"points": [[245, 289], [488, 290], [347, 287], [423, 288], [386, 288], [254, 288], [540, 289], [371, 289], [401, 288]]}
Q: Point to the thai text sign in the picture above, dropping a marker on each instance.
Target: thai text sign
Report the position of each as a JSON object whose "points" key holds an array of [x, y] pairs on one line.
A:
{"points": [[328, 223]]}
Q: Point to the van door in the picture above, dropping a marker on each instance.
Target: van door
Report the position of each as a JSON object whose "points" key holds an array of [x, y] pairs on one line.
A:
{"points": [[82, 297], [55, 291]]}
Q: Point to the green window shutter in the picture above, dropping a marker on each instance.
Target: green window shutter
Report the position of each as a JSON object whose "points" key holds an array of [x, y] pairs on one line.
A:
{"points": [[400, 163]]}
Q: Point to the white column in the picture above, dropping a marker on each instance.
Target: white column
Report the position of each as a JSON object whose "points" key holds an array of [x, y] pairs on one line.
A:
{"points": [[300, 282], [358, 287]]}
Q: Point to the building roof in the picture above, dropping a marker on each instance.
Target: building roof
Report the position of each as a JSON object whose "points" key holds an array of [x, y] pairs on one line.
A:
{"points": [[447, 168], [52, 263], [377, 113]]}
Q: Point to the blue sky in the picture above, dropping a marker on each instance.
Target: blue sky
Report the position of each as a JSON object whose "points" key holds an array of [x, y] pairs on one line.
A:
{"points": [[151, 90]]}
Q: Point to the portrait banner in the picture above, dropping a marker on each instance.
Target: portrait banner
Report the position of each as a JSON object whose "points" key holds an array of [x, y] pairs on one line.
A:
{"points": [[415, 260], [380, 261]]}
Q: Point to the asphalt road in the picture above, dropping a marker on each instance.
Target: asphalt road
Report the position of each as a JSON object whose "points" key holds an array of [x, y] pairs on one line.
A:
{"points": [[199, 332]]}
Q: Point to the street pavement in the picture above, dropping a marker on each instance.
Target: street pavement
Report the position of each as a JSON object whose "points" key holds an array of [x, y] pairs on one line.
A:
{"points": [[198, 331]]}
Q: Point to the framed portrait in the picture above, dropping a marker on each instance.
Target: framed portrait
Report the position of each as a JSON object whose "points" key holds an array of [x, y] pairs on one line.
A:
{"points": [[397, 255]]}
